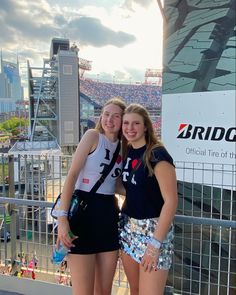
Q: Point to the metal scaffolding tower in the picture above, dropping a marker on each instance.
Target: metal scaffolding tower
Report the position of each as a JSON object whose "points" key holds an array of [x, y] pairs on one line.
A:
{"points": [[43, 93]]}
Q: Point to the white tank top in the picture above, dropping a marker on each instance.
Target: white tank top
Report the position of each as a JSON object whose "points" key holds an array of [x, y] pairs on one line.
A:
{"points": [[94, 165]]}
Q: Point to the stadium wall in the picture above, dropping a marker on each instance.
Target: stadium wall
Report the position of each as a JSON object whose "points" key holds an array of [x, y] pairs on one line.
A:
{"points": [[199, 81], [199, 130]]}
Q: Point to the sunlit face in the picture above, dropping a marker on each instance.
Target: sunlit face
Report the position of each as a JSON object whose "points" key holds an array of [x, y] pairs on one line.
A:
{"points": [[111, 119], [134, 129]]}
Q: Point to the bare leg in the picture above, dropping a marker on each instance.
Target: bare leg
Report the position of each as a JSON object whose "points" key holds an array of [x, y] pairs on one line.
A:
{"points": [[82, 269], [152, 283], [105, 270], [131, 268]]}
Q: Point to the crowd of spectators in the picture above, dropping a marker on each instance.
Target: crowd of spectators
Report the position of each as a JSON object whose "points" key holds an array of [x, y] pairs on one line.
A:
{"points": [[145, 94]]}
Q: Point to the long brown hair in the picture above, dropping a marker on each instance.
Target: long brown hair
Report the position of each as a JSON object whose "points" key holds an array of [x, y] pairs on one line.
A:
{"points": [[116, 101], [152, 140]]}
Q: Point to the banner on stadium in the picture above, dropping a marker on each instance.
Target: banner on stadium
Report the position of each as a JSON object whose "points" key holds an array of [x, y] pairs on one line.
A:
{"points": [[200, 128]]}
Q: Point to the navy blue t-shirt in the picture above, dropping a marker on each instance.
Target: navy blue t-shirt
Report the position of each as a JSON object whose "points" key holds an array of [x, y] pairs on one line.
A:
{"points": [[143, 195]]}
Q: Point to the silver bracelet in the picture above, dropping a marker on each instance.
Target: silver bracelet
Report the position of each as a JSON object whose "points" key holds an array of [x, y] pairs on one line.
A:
{"points": [[61, 213], [155, 243]]}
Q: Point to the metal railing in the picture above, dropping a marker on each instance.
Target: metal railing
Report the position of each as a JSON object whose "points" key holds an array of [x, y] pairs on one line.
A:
{"points": [[204, 261]]}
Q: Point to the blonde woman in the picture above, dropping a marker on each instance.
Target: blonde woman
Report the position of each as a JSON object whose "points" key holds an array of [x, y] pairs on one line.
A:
{"points": [[93, 257], [146, 230]]}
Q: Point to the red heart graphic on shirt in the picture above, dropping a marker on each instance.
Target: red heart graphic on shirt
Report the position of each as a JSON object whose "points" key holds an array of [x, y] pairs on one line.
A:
{"points": [[118, 160], [134, 163]]}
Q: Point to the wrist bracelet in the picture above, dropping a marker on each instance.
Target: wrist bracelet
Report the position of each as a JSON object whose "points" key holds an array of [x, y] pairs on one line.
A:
{"points": [[61, 213], [155, 243]]}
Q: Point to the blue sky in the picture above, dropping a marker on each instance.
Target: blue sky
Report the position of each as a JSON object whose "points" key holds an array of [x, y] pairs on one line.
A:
{"points": [[121, 38]]}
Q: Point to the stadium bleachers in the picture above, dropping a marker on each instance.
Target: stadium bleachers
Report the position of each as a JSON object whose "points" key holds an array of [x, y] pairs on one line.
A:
{"points": [[145, 94]]}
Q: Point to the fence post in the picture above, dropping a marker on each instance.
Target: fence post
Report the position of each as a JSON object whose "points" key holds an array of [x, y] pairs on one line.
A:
{"points": [[12, 211]]}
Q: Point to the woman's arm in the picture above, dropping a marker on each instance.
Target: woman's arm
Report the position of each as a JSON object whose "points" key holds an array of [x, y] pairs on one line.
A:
{"points": [[166, 177], [87, 144]]}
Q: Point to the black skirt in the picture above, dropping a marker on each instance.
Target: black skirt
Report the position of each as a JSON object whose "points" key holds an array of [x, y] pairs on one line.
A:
{"points": [[96, 226]]}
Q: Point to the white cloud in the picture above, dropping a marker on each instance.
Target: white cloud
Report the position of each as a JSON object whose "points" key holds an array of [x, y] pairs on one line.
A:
{"points": [[118, 36]]}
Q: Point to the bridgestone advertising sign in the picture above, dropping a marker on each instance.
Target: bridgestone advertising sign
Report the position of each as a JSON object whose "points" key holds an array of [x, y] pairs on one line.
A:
{"points": [[200, 127]]}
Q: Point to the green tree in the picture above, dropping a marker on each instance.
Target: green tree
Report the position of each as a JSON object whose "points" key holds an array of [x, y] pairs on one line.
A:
{"points": [[13, 125]]}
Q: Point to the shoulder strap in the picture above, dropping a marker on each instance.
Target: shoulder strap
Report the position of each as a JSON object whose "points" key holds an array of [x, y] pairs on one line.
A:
{"points": [[107, 170], [135, 169]]}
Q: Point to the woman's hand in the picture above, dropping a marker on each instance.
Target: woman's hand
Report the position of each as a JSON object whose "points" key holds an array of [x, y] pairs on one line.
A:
{"points": [[150, 258], [64, 233]]}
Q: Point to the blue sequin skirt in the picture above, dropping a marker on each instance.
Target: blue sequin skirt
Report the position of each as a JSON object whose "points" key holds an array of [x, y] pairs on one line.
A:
{"points": [[134, 235]]}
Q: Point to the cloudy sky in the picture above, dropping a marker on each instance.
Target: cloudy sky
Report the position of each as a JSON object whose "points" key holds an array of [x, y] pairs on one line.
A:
{"points": [[121, 37]]}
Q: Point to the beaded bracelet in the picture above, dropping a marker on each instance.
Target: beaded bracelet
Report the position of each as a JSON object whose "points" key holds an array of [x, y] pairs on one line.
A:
{"points": [[61, 213], [155, 243]]}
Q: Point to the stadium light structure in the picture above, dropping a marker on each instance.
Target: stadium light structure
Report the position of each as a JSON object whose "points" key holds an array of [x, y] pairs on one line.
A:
{"points": [[84, 65]]}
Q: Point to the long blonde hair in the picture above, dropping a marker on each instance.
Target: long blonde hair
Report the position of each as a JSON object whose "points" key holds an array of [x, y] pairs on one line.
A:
{"points": [[152, 140], [116, 101]]}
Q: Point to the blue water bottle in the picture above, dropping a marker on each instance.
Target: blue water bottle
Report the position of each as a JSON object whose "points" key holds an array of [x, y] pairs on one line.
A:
{"points": [[60, 253]]}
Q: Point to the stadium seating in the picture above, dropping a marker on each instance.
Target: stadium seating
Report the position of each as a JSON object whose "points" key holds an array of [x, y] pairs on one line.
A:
{"points": [[145, 94]]}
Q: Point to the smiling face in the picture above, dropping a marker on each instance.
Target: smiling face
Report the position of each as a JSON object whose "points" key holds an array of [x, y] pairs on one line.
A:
{"points": [[111, 119], [134, 129]]}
